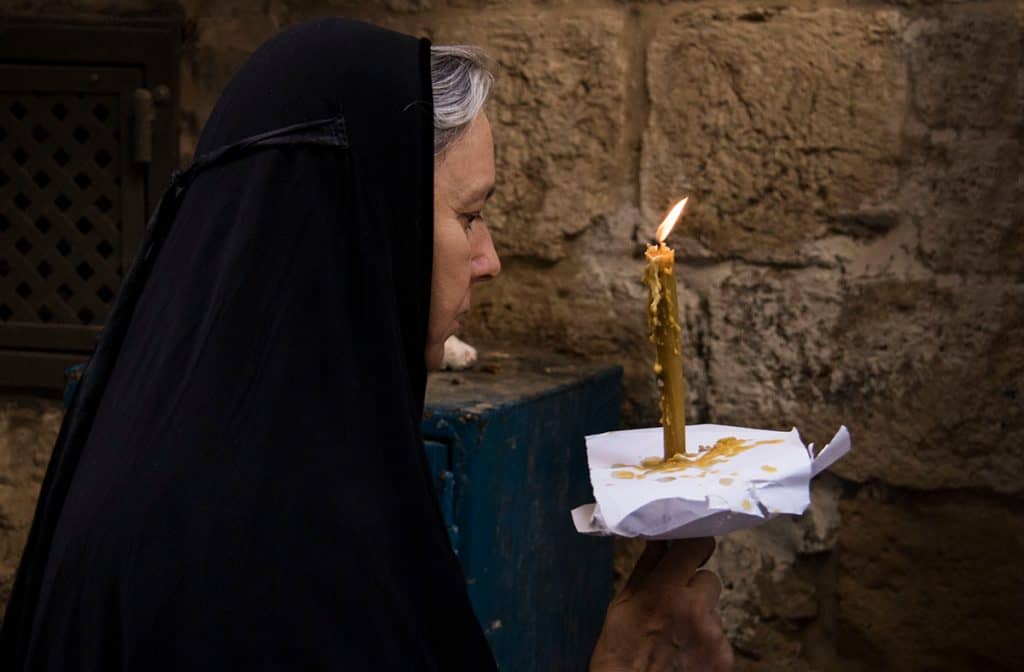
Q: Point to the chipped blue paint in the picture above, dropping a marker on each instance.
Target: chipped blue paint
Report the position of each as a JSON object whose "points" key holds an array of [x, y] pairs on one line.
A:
{"points": [[439, 461], [540, 590]]}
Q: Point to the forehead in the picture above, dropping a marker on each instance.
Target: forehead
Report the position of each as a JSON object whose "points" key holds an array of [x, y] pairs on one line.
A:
{"points": [[467, 169]]}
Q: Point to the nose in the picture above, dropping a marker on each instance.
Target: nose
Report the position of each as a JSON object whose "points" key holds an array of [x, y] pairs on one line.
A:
{"points": [[486, 263]]}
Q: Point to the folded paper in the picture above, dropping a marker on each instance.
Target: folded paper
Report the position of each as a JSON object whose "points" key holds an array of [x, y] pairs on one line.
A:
{"points": [[737, 478]]}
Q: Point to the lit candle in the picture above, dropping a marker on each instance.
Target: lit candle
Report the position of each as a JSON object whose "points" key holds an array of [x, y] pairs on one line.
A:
{"points": [[666, 334]]}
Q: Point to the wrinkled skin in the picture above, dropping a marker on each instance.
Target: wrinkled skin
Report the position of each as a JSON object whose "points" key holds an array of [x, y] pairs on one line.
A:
{"points": [[464, 254], [664, 619]]}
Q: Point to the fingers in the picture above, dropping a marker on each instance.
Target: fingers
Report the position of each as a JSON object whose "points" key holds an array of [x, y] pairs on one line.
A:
{"points": [[707, 584], [718, 650], [654, 551], [683, 558], [724, 658], [698, 609], [710, 645]]}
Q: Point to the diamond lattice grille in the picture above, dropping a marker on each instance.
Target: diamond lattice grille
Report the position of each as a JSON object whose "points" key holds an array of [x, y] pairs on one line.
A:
{"points": [[60, 207]]}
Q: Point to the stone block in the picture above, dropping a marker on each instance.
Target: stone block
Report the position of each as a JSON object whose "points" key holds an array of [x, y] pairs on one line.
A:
{"points": [[927, 374], [932, 372], [771, 583], [931, 582], [963, 188], [28, 431], [215, 49], [229, 8], [65, 8], [300, 9], [777, 122], [965, 66], [962, 182], [772, 351], [557, 110], [817, 530]]}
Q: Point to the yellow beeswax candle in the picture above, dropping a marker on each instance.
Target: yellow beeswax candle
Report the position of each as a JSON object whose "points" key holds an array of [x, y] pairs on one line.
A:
{"points": [[666, 334]]}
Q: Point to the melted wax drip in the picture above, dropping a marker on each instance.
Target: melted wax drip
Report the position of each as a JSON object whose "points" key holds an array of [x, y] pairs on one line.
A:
{"points": [[709, 456]]}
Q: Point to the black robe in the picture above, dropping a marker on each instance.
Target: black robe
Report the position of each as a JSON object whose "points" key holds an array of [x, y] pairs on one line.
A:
{"points": [[239, 482]]}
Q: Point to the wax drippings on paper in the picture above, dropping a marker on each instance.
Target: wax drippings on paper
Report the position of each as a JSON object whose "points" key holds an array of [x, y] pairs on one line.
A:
{"points": [[747, 506], [725, 481], [709, 456], [769, 468]]}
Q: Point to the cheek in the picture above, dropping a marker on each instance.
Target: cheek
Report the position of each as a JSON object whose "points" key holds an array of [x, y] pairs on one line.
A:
{"points": [[452, 255], [453, 270], [451, 275]]}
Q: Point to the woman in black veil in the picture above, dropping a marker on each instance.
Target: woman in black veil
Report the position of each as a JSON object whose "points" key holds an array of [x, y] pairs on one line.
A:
{"points": [[239, 482]]}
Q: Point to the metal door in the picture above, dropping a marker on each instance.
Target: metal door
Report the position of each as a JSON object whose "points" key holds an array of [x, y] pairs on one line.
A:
{"points": [[67, 187], [82, 146]]}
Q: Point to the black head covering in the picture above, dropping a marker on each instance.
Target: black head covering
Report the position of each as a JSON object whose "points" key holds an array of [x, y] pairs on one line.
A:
{"points": [[239, 482]]}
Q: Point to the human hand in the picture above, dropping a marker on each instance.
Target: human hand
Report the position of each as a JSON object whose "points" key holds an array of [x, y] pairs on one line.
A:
{"points": [[664, 618]]}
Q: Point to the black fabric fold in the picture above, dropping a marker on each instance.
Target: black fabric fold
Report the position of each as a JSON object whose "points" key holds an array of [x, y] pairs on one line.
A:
{"points": [[239, 479]]}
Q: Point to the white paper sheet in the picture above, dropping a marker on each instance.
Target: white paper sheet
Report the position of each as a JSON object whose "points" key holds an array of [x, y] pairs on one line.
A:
{"points": [[769, 478]]}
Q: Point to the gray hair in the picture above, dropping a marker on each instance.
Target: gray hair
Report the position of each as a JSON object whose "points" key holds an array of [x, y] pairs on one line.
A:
{"points": [[461, 81]]}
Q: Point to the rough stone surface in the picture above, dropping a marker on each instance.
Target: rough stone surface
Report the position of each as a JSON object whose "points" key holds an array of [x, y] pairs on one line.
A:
{"points": [[558, 111], [771, 575], [777, 122], [964, 140], [812, 348], [970, 215], [931, 581], [28, 430], [947, 359], [964, 67], [853, 252], [216, 47]]}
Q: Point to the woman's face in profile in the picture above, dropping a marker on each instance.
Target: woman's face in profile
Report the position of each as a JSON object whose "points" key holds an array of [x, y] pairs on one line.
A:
{"points": [[463, 250]]}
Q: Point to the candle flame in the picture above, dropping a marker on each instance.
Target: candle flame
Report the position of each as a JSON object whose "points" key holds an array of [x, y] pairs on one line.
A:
{"points": [[670, 220]]}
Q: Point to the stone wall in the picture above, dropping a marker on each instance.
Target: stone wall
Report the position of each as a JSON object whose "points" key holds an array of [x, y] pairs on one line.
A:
{"points": [[853, 253]]}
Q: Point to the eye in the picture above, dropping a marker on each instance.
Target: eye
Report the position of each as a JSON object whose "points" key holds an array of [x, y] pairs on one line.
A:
{"points": [[468, 219]]}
